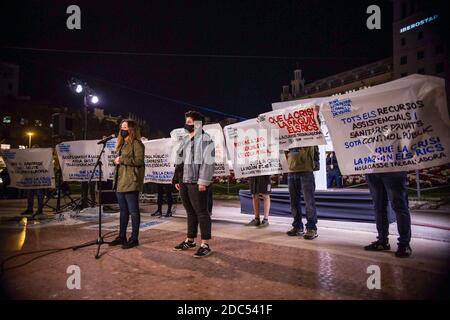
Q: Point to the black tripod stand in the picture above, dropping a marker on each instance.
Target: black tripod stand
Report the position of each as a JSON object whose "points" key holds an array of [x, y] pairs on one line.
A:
{"points": [[100, 239], [56, 195]]}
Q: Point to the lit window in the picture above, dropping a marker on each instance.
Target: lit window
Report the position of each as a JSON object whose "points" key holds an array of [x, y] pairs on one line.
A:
{"points": [[23, 121], [7, 119], [38, 123]]}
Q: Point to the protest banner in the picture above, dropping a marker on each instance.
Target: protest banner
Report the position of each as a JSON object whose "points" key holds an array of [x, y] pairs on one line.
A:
{"points": [[401, 125], [253, 151], [159, 161], [77, 159], [221, 167], [108, 159], [298, 126], [30, 168]]}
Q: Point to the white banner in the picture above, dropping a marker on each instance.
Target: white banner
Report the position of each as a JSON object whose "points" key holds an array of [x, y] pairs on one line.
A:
{"points": [[30, 168], [159, 161], [401, 125], [221, 167], [253, 151], [108, 159], [297, 125], [77, 159]]}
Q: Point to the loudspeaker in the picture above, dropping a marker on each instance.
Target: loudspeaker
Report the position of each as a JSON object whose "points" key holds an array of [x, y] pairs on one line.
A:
{"points": [[108, 197]]}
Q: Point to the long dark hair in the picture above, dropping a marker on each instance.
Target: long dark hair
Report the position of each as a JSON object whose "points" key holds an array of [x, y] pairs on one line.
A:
{"points": [[133, 133]]}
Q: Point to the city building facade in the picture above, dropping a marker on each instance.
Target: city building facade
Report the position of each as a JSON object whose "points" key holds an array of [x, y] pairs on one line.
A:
{"points": [[418, 47]]}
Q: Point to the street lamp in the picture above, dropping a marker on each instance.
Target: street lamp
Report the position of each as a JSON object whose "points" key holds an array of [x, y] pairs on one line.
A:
{"points": [[94, 99], [90, 98], [29, 134], [78, 88]]}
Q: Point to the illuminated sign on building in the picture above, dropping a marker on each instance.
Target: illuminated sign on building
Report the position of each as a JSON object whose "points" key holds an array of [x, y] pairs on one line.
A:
{"points": [[418, 23]]}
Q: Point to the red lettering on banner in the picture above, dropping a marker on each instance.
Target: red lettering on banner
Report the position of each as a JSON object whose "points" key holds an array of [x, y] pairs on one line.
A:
{"points": [[298, 121]]}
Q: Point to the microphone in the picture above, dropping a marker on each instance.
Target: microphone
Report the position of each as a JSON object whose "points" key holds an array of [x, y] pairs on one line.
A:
{"points": [[105, 140]]}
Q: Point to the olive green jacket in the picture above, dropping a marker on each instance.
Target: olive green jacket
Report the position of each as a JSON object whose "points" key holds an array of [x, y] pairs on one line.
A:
{"points": [[301, 159], [129, 175]]}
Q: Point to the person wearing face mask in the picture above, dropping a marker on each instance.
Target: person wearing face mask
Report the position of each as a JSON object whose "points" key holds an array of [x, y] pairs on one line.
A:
{"points": [[128, 181], [193, 177]]}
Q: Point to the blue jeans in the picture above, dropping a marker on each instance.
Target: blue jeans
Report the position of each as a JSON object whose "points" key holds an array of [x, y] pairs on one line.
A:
{"points": [[129, 204], [30, 198], [390, 186], [334, 175], [303, 182]]}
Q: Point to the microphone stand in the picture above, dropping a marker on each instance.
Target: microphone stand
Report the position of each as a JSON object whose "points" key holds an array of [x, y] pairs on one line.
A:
{"points": [[100, 240]]}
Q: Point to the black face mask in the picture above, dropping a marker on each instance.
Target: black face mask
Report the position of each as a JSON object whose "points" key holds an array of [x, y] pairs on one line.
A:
{"points": [[124, 133], [189, 128]]}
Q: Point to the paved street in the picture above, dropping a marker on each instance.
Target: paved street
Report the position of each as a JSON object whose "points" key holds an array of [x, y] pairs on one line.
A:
{"points": [[247, 263]]}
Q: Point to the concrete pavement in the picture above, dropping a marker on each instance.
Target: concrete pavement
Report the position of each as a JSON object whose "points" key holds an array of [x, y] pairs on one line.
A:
{"points": [[248, 263]]}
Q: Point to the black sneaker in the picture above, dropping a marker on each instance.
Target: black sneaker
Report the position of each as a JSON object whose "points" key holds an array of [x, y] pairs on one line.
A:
{"points": [[117, 241], [185, 245], [168, 214], [264, 223], [254, 223], [378, 246], [156, 213], [295, 232], [310, 234], [403, 251], [130, 244], [203, 251]]}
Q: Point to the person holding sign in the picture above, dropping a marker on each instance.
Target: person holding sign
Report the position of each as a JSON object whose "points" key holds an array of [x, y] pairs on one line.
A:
{"points": [[301, 163], [30, 198], [128, 181], [193, 177], [260, 185], [390, 186]]}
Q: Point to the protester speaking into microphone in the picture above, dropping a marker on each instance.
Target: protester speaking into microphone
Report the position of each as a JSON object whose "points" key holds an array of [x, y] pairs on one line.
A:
{"points": [[128, 181]]}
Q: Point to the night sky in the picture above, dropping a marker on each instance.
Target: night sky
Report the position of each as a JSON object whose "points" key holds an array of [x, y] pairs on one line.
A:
{"points": [[230, 56]]}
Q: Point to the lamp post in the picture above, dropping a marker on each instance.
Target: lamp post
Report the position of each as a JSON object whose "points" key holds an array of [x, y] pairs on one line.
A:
{"points": [[29, 134], [85, 118], [89, 98]]}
